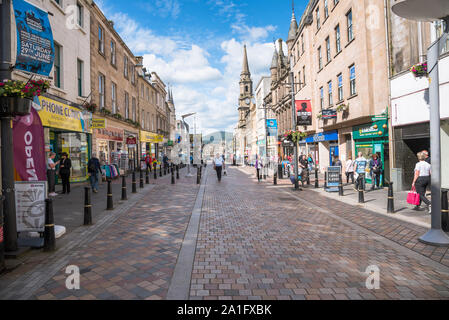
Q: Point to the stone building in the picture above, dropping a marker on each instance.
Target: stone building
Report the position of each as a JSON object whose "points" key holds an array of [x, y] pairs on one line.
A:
{"points": [[114, 92], [338, 57]]}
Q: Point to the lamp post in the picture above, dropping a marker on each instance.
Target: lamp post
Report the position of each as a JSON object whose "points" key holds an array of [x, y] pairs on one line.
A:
{"points": [[431, 10], [188, 159]]}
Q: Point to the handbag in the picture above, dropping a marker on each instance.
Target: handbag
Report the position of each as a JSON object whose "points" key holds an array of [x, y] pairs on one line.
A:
{"points": [[413, 197]]}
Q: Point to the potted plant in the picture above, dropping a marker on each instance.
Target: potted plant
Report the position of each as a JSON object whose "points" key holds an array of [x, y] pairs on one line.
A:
{"points": [[343, 108], [16, 96], [106, 112], [419, 70]]}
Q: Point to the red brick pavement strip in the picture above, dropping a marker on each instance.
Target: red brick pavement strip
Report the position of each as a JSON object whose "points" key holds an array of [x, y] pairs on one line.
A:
{"points": [[134, 258], [401, 232], [256, 242]]}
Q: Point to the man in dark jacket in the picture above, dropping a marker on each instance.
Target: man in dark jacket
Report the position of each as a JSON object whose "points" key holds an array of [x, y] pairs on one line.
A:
{"points": [[93, 167], [64, 172], [375, 166]]}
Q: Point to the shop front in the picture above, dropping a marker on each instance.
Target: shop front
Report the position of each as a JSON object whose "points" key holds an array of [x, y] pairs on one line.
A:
{"points": [[372, 138], [67, 129], [109, 142], [149, 143], [323, 147]]}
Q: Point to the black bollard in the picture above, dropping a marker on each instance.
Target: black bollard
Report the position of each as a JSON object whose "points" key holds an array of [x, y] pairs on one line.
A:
{"points": [[361, 193], [110, 202], [317, 183], [165, 170], [340, 186], [147, 176], [141, 179], [160, 172], [134, 184], [444, 212], [198, 175], [49, 231], [87, 207], [390, 203], [155, 172], [124, 189], [325, 180], [275, 178], [172, 175], [2, 243], [280, 170], [177, 172]]}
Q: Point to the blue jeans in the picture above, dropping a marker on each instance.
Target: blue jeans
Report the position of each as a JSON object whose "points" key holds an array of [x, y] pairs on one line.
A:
{"points": [[94, 181]]}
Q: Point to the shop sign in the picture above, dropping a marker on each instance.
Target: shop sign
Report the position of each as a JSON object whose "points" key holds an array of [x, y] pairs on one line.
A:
{"points": [[30, 206], [55, 114], [98, 123], [303, 112], [35, 47], [29, 147], [110, 134], [170, 143], [329, 114], [149, 137], [371, 130], [131, 141], [323, 136]]}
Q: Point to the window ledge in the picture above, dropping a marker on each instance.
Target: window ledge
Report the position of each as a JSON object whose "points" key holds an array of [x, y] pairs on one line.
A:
{"points": [[335, 5], [101, 54], [59, 90], [58, 6], [80, 28], [338, 53], [350, 42], [353, 96], [328, 63]]}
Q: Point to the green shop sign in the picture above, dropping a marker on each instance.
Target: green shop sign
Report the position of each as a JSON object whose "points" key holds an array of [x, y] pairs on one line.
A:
{"points": [[377, 129]]}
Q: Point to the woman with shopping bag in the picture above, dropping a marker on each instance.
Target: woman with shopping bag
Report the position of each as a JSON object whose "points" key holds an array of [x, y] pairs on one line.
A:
{"points": [[420, 182]]}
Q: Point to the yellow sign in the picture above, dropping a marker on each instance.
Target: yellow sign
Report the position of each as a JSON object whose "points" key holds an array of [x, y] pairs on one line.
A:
{"points": [[149, 137], [55, 114], [98, 123]]}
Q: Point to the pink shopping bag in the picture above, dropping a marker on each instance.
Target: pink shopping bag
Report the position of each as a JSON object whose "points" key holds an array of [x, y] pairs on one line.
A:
{"points": [[413, 197]]}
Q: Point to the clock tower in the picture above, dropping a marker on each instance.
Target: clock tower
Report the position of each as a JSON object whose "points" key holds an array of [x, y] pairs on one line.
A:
{"points": [[246, 90]]}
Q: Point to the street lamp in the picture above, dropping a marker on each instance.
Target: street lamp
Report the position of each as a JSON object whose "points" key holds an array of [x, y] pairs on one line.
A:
{"points": [[431, 10], [183, 120]]}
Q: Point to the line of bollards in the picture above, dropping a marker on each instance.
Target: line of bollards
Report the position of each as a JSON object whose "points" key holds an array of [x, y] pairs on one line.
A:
{"points": [[134, 184], [317, 184], [110, 202], [147, 176], [340, 186], [141, 179], [160, 172], [172, 175], [177, 172], [124, 189], [87, 207], [325, 180], [275, 178], [361, 191], [165, 170], [198, 175]]}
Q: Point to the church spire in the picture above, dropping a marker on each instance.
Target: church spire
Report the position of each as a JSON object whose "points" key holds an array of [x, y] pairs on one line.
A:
{"points": [[245, 69], [293, 26]]}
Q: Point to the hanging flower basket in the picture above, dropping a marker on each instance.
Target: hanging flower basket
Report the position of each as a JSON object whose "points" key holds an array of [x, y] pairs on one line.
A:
{"points": [[419, 70], [343, 108], [91, 107], [15, 106], [17, 96], [294, 136]]}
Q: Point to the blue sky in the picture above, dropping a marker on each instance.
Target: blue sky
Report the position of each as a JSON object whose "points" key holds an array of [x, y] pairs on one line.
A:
{"points": [[196, 46]]}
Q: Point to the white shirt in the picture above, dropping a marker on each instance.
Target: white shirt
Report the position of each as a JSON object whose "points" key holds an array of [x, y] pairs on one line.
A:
{"points": [[350, 166], [218, 161], [424, 168], [50, 161]]}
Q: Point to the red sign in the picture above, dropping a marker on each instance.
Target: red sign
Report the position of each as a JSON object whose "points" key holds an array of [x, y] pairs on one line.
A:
{"points": [[29, 147], [131, 140], [110, 134], [303, 112]]}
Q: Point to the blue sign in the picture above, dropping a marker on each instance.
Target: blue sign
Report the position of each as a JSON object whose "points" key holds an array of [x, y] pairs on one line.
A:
{"points": [[272, 126], [323, 136], [35, 47]]}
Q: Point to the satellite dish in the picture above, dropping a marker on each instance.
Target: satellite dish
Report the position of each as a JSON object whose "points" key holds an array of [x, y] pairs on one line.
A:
{"points": [[421, 10]]}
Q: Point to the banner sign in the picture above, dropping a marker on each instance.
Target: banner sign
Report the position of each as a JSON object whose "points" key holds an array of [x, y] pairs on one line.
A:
{"points": [[329, 114], [30, 206], [303, 112], [149, 137], [98, 123], [55, 114], [35, 47], [272, 127], [197, 149], [29, 147], [333, 176]]}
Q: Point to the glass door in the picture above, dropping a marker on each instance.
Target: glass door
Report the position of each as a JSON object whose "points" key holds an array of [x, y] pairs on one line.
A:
{"points": [[76, 146]]}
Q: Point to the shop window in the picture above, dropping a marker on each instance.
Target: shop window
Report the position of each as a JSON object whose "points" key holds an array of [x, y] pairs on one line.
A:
{"points": [[76, 146]]}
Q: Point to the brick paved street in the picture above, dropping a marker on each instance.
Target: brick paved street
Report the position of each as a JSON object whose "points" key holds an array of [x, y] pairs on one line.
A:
{"points": [[255, 241]]}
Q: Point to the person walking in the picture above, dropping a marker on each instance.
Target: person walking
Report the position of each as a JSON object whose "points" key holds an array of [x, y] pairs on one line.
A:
{"points": [[426, 154], [93, 168], [258, 166], [165, 161], [51, 171], [421, 180], [310, 162], [218, 166], [64, 172], [360, 165], [349, 170], [375, 166]]}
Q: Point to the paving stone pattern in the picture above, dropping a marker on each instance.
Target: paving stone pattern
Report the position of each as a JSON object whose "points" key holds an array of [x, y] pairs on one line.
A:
{"points": [[256, 242]]}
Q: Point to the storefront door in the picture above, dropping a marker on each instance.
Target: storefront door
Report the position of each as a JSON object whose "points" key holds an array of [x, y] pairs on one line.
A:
{"points": [[381, 149], [334, 152]]}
